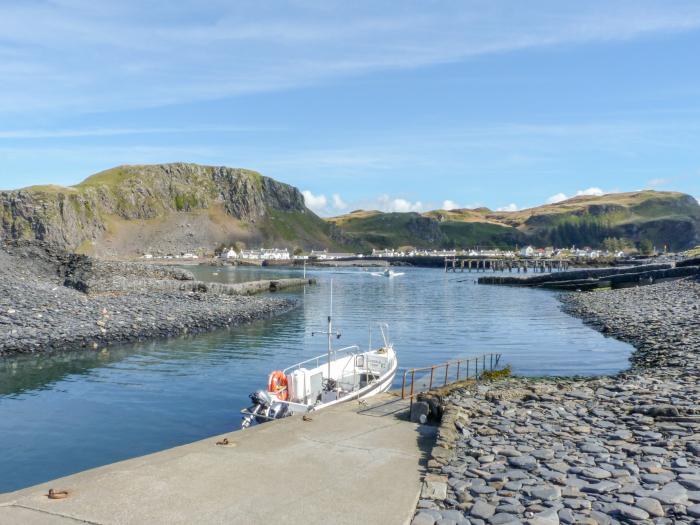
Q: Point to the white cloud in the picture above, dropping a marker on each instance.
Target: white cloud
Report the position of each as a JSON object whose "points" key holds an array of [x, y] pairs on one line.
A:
{"points": [[557, 197], [322, 205], [389, 204], [449, 205], [316, 203], [162, 53], [510, 207], [593, 191], [338, 203]]}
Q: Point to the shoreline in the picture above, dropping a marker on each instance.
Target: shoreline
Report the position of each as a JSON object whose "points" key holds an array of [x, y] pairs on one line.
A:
{"points": [[53, 301], [664, 336], [603, 450]]}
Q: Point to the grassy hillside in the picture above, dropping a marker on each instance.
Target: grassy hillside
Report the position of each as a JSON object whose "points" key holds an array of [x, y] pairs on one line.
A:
{"points": [[168, 208], [664, 218], [165, 208]]}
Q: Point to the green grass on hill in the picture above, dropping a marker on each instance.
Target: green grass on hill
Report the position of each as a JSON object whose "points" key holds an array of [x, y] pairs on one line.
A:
{"points": [[298, 229], [484, 234]]}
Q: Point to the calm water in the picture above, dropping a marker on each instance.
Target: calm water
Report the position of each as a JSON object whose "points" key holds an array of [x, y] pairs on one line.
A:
{"points": [[73, 411]]}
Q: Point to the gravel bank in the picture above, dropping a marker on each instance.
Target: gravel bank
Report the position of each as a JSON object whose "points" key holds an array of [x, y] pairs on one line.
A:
{"points": [[661, 321], [42, 309], [623, 449]]}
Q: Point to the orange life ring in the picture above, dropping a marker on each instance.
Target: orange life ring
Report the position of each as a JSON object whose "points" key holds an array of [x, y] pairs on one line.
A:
{"points": [[278, 385]]}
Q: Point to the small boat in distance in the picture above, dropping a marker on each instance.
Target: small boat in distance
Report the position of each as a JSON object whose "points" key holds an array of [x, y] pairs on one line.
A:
{"points": [[338, 376], [387, 273]]}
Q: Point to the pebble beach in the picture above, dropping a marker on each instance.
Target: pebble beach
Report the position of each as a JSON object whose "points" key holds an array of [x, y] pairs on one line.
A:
{"points": [[50, 301], [602, 450]]}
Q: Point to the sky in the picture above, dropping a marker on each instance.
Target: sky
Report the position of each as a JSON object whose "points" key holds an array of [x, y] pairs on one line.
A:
{"points": [[399, 106]]}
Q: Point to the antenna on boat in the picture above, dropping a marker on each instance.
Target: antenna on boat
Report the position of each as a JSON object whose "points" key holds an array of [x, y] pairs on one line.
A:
{"points": [[330, 333]]}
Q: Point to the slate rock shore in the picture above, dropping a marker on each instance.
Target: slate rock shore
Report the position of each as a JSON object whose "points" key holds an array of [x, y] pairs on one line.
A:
{"points": [[53, 300], [605, 450]]}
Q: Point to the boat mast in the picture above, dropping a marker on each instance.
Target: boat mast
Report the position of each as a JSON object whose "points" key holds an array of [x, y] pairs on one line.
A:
{"points": [[330, 332]]}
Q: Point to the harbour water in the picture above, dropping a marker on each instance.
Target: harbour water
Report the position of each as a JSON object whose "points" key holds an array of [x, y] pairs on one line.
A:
{"points": [[68, 412]]}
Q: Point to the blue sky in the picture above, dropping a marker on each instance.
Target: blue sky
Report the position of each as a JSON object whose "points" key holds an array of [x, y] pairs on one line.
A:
{"points": [[407, 105]]}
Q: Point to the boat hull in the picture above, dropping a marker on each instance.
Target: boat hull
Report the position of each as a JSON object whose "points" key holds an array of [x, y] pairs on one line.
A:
{"points": [[276, 408], [379, 386]]}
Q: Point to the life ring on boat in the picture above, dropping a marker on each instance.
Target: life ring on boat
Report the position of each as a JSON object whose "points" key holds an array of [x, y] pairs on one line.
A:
{"points": [[278, 385]]}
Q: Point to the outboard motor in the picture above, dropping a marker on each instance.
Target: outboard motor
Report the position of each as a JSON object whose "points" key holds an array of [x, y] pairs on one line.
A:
{"points": [[261, 406], [263, 409]]}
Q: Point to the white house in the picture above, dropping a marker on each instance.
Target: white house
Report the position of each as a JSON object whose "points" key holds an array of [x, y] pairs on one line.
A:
{"points": [[277, 254], [324, 255], [265, 254], [384, 253], [229, 254], [527, 251]]}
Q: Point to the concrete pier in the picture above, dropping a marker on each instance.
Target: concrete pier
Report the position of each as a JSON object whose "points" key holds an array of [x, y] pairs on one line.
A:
{"points": [[244, 288], [483, 264], [349, 464]]}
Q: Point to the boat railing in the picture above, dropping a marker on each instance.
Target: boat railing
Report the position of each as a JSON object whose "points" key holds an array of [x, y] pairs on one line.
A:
{"points": [[318, 360], [439, 375]]}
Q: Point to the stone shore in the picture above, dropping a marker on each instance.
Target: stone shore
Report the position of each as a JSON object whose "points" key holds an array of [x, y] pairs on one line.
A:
{"points": [[606, 450], [50, 300]]}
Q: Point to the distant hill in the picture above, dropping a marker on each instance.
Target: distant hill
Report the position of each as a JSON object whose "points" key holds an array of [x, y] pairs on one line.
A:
{"points": [[173, 208], [165, 208], [664, 218]]}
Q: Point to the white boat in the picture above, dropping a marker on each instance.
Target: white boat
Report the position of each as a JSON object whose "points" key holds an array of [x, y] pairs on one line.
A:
{"points": [[336, 377], [387, 273]]}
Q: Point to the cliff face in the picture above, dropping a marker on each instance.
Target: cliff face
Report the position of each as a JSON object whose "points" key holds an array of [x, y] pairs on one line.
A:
{"points": [[64, 218], [225, 204]]}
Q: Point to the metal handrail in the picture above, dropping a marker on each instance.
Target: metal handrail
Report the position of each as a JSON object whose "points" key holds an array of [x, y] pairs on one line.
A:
{"points": [[493, 360], [344, 350]]}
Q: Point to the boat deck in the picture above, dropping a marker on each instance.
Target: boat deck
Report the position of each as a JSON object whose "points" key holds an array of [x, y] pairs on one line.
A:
{"points": [[349, 464]]}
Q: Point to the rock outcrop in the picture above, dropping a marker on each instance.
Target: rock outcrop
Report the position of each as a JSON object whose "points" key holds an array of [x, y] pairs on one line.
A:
{"points": [[191, 204]]}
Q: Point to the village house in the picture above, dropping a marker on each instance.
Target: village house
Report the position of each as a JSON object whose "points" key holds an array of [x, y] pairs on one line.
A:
{"points": [[527, 251], [388, 252], [265, 254], [324, 255]]}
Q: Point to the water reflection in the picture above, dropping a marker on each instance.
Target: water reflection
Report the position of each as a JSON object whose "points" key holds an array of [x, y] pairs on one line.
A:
{"points": [[71, 411]]}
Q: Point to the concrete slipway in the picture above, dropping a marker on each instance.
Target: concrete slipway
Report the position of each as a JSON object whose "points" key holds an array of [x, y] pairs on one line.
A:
{"points": [[349, 464]]}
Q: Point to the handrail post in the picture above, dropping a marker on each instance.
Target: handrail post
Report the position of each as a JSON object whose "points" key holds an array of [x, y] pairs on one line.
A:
{"points": [[413, 380], [447, 368], [432, 372], [458, 363], [491, 359], [403, 385]]}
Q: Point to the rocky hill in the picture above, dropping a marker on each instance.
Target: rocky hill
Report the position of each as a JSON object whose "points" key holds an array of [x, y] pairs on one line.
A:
{"points": [[173, 208], [165, 208], [664, 218]]}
